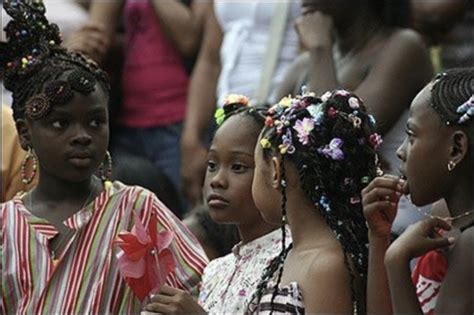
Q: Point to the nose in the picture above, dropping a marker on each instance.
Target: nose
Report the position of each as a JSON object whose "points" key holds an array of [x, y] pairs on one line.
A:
{"points": [[80, 136], [219, 180], [401, 151]]}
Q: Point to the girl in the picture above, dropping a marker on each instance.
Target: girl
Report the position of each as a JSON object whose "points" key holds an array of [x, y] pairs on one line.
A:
{"points": [[229, 282], [315, 156], [56, 250], [437, 163]]}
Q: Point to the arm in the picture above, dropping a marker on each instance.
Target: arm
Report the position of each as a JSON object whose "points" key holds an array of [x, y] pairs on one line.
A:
{"points": [[417, 240], [456, 293], [200, 110], [380, 199], [182, 24]]}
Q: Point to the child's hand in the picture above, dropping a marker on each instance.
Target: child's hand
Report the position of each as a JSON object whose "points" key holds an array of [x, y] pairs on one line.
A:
{"points": [[315, 30], [380, 199], [418, 239], [173, 301]]}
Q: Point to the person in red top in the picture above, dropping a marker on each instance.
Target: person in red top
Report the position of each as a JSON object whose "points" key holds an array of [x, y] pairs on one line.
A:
{"points": [[437, 163]]}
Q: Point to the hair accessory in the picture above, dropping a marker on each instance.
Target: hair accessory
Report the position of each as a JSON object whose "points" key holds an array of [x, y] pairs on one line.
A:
{"points": [[365, 180], [355, 200], [375, 140], [269, 121], [284, 183], [333, 150], [342, 93], [82, 81], [324, 203], [58, 92], [236, 99], [265, 143], [303, 128], [285, 102], [219, 116], [287, 144], [332, 112], [326, 96], [37, 107], [30, 155], [467, 110], [353, 103], [372, 120]]}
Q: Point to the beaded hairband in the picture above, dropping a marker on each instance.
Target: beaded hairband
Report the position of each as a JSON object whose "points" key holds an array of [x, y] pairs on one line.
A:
{"points": [[59, 92]]}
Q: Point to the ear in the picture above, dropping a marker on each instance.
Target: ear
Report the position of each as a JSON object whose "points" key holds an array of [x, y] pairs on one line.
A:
{"points": [[23, 129], [459, 146], [275, 172]]}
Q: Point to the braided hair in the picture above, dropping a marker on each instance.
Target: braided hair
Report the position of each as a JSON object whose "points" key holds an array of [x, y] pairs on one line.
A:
{"points": [[332, 143], [32, 57], [452, 95], [235, 104]]}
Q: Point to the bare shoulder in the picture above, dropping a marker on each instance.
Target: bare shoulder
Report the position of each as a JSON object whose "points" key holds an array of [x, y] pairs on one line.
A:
{"points": [[408, 41]]}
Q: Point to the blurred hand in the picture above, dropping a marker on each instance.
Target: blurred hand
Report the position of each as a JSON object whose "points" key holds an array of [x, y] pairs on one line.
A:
{"points": [[380, 200], [420, 238], [315, 30], [193, 170], [91, 40], [173, 301]]}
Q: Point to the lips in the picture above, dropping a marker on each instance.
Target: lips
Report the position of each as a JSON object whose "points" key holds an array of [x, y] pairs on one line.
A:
{"points": [[406, 189], [80, 159], [217, 201]]}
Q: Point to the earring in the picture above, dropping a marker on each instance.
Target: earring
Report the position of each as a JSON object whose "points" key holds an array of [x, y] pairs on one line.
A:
{"points": [[451, 166], [30, 155], [105, 168]]}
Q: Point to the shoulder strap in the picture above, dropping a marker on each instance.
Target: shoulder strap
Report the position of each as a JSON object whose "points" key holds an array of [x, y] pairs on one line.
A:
{"points": [[275, 40]]}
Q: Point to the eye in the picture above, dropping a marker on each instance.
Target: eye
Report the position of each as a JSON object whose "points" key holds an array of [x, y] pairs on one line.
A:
{"points": [[59, 124], [239, 168], [95, 123], [211, 166]]}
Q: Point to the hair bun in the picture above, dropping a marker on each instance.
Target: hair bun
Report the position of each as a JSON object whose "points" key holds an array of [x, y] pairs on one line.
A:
{"points": [[30, 39]]}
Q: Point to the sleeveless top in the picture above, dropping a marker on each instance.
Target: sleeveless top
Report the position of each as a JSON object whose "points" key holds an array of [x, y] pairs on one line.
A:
{"points": [[288, 300]]}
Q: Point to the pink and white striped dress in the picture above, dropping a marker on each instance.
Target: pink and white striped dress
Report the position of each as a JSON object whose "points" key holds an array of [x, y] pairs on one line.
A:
{"points": [[85, 278]]}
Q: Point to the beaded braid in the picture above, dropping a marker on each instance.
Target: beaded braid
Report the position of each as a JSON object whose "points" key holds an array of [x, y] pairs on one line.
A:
{"points": [[32, 57], [331, 177]]}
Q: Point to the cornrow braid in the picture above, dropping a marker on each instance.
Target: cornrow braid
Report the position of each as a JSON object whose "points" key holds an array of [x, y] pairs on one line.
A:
{"points": [[450, 89]]}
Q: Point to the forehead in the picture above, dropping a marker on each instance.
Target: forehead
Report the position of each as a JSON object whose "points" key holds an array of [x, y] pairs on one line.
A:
{"points": [[237, 132], [421, 110], [80, 102]]}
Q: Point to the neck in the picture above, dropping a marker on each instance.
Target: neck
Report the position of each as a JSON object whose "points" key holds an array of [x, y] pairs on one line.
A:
{"points": [[308, 227], [460, 200], [57, 190], [251, 231], [351, 38]]}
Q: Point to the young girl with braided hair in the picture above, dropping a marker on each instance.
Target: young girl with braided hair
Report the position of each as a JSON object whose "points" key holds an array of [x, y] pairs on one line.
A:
{"points": [[437, 163], [314, 157], [229, 282], [57, 252]]}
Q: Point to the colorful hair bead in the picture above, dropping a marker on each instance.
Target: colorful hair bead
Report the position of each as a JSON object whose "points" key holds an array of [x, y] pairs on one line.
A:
{"points": [[82, 81]]}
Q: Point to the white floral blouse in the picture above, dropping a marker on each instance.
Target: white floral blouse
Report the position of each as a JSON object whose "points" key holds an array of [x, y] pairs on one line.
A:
{"points": [[229, 282]]}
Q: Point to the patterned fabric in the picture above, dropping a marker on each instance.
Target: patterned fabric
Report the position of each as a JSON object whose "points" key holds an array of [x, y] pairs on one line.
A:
{"points": [[428, 276], [85, 278], [229, 282], [288, 300]]}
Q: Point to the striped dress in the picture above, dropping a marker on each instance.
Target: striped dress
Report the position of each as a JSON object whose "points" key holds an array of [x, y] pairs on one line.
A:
{"points": [[85, 278]]}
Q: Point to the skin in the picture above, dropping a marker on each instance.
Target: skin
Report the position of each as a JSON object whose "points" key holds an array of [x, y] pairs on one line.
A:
{"points": [[426, 136], [316, 261], [227, 190], [353, 50], [70, 143]]}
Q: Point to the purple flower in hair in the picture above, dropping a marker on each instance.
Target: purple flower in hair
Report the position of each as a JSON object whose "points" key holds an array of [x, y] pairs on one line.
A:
{"points": [[333, 150], [304, 127]]}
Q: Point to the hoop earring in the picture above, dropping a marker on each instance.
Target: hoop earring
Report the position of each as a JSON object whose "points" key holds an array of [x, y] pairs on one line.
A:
{"points": [[30, 155], [105, 168], [451, 166]]}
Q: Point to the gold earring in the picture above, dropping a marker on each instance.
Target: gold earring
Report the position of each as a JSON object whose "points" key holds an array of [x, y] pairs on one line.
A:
{"points": [[451, 166], [105, 169]]}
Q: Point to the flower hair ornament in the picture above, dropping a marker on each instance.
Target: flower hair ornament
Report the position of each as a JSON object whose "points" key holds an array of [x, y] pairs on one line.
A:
{"points": [[231, 103]]}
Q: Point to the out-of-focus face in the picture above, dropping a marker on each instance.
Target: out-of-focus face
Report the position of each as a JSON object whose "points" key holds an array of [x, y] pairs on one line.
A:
{"points": [[229, 176], [337, 9], [72, 139], [425, 152]]}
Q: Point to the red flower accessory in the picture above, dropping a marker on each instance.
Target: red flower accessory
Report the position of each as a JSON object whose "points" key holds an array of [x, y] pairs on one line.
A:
{"points": [[144, 258]]}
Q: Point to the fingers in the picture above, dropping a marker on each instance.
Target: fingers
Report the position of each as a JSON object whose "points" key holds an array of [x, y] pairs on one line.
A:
{"points": [[386, 181], [432, 224], [160, 308]]}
